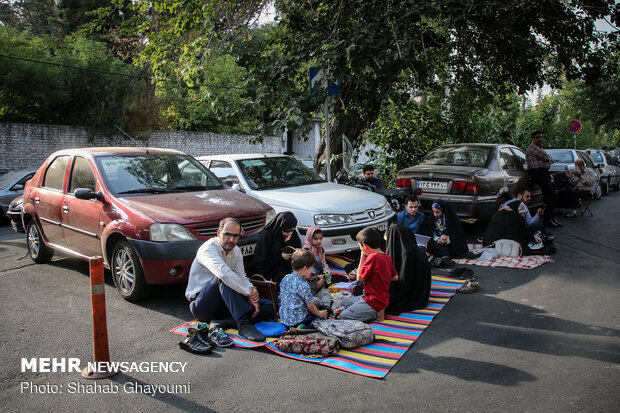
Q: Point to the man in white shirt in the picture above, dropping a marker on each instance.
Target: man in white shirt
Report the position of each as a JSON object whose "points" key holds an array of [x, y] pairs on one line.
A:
{"points": [[582, 180], [218, 289], [524, 195]]}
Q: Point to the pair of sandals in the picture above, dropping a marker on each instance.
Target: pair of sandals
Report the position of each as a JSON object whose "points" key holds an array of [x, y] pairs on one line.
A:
{"points": [[471, 285]]}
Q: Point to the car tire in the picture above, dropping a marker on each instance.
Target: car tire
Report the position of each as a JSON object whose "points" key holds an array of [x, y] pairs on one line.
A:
{"points": [[39, 252], [127, 272], [605, 188]]}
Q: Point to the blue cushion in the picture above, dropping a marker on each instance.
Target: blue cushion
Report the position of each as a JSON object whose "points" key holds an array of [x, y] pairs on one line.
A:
{"points": [[270, 328]]}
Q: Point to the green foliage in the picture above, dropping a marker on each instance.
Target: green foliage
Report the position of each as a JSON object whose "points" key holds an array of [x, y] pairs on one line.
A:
{"points": [[211, 108], [37, 92]]}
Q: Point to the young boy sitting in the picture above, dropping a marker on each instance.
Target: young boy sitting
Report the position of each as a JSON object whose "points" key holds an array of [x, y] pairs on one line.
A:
{"points": [[296, 300], [376, 270]]}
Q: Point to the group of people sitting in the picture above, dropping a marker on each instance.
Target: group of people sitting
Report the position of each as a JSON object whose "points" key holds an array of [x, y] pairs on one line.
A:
{"points": [[394, 270], [395, 274]]}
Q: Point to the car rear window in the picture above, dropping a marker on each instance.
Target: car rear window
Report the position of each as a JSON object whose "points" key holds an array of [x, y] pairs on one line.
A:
{"points": [[155, 173], [458, 155], [597, 157], [561, 156]]}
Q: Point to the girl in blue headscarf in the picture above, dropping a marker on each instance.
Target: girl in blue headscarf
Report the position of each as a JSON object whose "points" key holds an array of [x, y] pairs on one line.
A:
{"points": [[447, 236]]}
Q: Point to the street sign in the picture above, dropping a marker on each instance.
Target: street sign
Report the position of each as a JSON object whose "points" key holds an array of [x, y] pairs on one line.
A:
{"points": [[574, 126], [319, 81]]}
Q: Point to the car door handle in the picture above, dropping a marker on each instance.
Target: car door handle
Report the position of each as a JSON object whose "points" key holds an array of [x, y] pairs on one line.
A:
{"points": [[65, 209]]}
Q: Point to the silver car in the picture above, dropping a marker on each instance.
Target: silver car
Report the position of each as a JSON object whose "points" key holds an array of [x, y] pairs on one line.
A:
{"points": [[474, 178], [607, 166], [564, 160], [12, 186]]}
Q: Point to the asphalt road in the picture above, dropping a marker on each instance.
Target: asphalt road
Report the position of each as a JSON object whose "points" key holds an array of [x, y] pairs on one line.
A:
{"points": [[531, 340]]}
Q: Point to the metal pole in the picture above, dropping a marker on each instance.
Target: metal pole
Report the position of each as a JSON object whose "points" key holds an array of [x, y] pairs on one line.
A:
{"points": [[328, 152]]}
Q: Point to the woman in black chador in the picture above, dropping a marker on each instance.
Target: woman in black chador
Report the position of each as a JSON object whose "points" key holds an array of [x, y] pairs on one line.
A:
{"points": [[413, 287], [269, 258], [447, 235]]}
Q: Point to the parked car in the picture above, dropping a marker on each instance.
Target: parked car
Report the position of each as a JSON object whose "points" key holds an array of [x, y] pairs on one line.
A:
{"points": [[474, 178], [287, 185], [608, 168], [144, 210], [15, 213], [12, 186], [564, 160]]}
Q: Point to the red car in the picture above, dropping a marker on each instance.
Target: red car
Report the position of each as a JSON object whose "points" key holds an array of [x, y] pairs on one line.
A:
{"points": [[144, 210]]}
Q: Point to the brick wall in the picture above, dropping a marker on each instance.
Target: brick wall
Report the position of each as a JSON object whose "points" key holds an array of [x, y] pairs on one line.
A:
{"points": [[24, 146]]}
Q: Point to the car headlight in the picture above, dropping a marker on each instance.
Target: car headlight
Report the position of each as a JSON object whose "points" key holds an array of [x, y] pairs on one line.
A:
{"points": [[332, 219], [271, 214], [387, 208], [169, 233]]}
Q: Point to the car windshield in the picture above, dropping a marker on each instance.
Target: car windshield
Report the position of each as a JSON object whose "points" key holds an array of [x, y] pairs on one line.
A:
{"points": [[156, 173], [458, 155], [597, 157], [269, 173], [561, 155]]}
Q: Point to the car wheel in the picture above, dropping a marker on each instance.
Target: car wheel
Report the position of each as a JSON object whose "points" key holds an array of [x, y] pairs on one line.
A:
{"points": [[39, 252], [605, 188], [127, 272]]}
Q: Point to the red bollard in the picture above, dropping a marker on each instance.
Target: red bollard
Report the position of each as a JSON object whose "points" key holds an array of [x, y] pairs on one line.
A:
{"points": [[101, 351]]}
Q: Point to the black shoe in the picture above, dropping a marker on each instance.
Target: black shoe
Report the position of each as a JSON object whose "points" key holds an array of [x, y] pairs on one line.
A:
{"points": [[223, 324], [556, 222], [247, 330], [446, 261], [194, 345]]}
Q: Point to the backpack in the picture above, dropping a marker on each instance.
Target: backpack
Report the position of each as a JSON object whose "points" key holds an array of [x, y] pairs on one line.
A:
{"points": [[507, 248], [350, 333], [307, 341]]}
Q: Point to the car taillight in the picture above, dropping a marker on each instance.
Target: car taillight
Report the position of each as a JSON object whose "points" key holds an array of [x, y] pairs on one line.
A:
{"points": [[403, 182], [465, 188]]}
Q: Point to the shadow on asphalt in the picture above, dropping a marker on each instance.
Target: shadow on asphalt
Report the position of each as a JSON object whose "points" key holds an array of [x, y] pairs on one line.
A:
{"points": [[173, 400]]}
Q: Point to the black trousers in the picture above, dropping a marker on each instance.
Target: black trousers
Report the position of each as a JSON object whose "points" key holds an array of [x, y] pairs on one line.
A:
{"points": [[570, 197], [542, 178]]}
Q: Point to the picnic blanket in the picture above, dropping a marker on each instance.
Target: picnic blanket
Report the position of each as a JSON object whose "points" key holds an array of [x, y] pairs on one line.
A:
{"points": [[524, 263], [393, 337]]}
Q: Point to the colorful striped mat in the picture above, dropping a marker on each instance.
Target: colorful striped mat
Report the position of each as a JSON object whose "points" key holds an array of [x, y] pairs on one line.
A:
{"points": [[393, 337]]}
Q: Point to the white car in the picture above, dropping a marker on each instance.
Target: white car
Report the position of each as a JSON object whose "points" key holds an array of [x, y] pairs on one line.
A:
{"points": [[287, 185]]}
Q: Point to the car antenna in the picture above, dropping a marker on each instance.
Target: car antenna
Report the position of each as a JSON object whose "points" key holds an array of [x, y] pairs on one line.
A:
{"points": [[126, 134]]}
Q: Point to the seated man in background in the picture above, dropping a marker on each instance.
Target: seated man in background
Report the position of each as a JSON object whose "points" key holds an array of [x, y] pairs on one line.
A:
{"points": [[369, 176], [582, 179], [525, 195], [412, 217], [220, 292]]}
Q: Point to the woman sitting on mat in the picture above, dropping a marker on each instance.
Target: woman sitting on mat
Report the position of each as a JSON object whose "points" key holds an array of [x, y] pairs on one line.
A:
{"points": [[447, 236], [413, 288], [272, 258]]}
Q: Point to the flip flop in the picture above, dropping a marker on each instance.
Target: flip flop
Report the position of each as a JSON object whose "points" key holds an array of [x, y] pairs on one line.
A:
{"points": [[469, 287]]}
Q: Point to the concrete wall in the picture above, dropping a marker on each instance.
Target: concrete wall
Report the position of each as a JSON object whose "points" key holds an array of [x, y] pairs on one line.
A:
{"points": [[24, 146]]}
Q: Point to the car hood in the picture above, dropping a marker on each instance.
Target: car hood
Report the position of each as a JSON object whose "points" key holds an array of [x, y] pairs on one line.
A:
{"points": [[326, 197], [190, 207]]}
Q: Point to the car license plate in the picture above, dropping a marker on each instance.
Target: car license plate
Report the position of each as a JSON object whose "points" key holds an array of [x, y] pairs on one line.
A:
{"points": [[248, 249], [442, 186], [381, 227]]}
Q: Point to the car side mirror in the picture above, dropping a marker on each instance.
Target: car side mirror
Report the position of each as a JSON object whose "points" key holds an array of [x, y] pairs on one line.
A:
{"points": [[85, 193], [17, 187], [231, 184]]}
